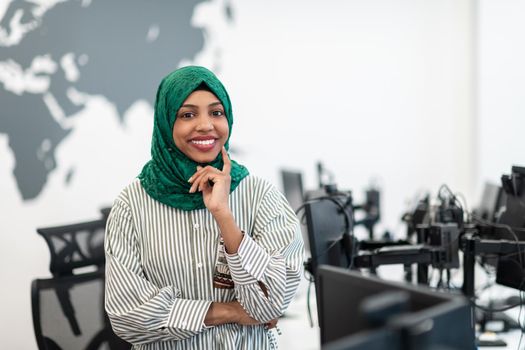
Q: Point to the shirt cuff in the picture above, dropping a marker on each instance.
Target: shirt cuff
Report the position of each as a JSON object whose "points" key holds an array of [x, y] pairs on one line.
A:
{"points": [[249, 263], [187, 314]]}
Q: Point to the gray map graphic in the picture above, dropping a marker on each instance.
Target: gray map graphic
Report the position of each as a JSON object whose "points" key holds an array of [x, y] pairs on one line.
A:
{"points": [[122, 49]]}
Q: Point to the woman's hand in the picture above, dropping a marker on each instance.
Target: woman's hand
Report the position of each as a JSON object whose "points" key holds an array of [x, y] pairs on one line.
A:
{"points": [[215, 187], [244, 319], [232, 312], [214, 184], [241, 316]]}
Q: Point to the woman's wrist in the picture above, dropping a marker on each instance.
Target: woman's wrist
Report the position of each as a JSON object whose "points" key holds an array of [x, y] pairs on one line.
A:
{"points": [[230, 232], [222, 214]]}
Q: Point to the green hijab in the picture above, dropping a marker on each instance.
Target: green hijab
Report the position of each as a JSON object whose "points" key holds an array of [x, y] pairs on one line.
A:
{"points": [[165, 176]]}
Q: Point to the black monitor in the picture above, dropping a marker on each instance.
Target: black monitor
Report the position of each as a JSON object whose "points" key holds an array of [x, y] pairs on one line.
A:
{"points": [[511, 267], [292, 182], [492, 199], [380, 339], [293, 187], [358, 312], [328, 229], [514, 187]]}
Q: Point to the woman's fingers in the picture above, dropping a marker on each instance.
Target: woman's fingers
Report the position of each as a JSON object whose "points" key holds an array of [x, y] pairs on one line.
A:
{"points": [[227, 162], [197, 176], [197, 173], [202, 178], [198, 180], [206, 176], [243, 317], [272, 323], [225, 169]]}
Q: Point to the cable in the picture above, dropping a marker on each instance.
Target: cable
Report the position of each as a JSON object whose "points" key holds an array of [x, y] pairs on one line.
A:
{"points": [[454, 198], [308, 308], [464, 205], [519, 318]]}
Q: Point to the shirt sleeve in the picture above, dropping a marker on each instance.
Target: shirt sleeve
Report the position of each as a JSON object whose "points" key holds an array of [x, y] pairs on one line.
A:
{"points": [[273, 255], [139, 311]]}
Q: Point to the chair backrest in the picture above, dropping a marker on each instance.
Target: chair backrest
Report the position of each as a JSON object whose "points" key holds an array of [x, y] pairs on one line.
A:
{"points": [[75, 246], [68, 313], [105, 212]]}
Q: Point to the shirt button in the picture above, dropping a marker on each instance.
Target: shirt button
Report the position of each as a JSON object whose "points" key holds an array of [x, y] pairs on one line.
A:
{"points": [[199, 265], [248, 266], [183, 323], [196, 226]]}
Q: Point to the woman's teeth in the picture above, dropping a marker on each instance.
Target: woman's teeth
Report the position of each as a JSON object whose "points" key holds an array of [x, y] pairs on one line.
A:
{"points": [[203, 142]]}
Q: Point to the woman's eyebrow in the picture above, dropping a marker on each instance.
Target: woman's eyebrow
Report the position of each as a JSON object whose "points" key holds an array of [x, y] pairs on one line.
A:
{"points": [[195, 106], [188, 106]]}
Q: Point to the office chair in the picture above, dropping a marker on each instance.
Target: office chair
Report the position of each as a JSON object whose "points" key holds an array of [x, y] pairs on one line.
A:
{"points": [[105, 212], [68, 309], [75, 246], [68, 313]]}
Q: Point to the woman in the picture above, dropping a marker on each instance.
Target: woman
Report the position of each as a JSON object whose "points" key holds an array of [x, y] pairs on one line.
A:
{"points": [[199, 254]]}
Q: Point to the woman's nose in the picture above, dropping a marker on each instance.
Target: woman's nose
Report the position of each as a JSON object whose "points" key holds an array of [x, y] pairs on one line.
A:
{"points": [[204, 124]]}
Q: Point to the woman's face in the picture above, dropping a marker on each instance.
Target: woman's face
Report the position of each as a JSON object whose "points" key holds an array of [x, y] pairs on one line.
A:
{"points": [[201, 127]]}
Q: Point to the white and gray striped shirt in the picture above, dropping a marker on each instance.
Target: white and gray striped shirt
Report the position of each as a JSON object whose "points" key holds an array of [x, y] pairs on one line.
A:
{"points": [[160, 263]]}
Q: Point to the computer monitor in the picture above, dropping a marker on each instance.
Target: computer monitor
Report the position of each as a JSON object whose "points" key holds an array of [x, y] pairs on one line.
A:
{"points": [[511, 267], [514, 188], [490, 203], [293, 187], [328, 229], [292, 182], [379, 339], [431, 320]]}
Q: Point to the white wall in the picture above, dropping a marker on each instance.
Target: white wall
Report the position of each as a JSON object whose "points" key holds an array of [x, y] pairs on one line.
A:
{"points": [[501, 72], [373, 88]]}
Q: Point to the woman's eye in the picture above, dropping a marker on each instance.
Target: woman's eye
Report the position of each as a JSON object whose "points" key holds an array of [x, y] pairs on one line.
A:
{"points": [[217, 113], [187, 115]]}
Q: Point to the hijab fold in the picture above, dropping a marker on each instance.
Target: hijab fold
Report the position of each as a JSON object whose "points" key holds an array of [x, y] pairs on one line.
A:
{"points": [[165, 176]]}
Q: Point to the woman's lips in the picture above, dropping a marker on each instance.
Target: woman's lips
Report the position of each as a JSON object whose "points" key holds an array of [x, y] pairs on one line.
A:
{"points": [[203, 145]]}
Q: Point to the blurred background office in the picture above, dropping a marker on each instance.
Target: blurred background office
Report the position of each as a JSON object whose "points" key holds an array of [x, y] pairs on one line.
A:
{"points": [[402, 94]]}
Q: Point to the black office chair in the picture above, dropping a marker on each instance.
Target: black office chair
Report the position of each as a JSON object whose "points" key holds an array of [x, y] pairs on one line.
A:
{"points": [[105, 212], [68, 313], [68, 309], [75, 246]]}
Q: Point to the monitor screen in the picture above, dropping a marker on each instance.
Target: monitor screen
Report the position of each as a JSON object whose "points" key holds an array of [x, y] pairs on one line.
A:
{"points": [[326, 226], [293, 191], [490, 202], [514, 213], [511, 267], [293, 188], [342, 293]]}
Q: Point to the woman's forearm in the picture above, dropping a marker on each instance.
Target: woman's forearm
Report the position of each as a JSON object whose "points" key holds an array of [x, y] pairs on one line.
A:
{"points": [[231, 312], [219, 313], [231, 233]]}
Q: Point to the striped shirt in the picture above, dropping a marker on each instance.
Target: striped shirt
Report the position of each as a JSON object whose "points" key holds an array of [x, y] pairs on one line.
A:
{"points": [[160, 264]]}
